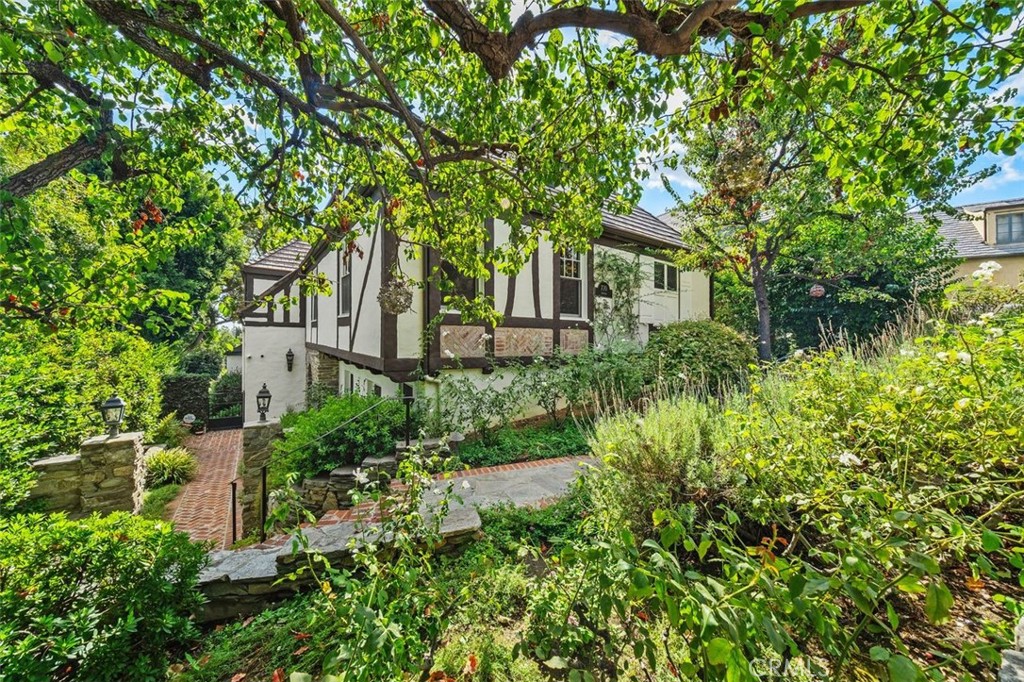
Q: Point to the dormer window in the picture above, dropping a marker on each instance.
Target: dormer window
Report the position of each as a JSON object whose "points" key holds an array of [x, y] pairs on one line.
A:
{"points": [[1010, 228]]}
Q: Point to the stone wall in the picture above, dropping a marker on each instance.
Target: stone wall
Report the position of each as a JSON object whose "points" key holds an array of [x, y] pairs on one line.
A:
{"points": [[322, 369], [107, 475], [257, 438]]}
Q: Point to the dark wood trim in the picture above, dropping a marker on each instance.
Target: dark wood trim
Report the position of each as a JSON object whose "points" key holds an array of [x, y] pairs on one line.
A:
{"points": [[510, 295], [588, 297], [388, 321], [489, 282], [535, 275], [266, 272]]}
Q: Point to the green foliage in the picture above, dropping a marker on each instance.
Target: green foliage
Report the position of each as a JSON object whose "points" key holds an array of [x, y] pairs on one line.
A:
{"points": [[617, 319], [226, 395], [524, 444], [204, 362], [168, 431], [482, 407], [173, 465], [346, 430], [101, 598], [51, 386], [700, 355], [979, 296], [873, 486], [186, 394], [155, 501]]}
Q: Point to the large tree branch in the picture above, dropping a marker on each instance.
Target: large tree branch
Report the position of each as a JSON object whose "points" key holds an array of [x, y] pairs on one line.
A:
{"points": [[670, 35], [56, 165]]}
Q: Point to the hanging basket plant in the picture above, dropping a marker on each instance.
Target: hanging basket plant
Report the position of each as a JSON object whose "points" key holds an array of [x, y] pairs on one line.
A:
{"points": [[817, 291], [395, 295]]}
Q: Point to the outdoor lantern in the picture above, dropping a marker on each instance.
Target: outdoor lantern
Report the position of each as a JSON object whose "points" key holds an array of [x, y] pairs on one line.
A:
{"points": [[817, 291], [112, 410], [454, 440], [290, 357], [263, 402]]}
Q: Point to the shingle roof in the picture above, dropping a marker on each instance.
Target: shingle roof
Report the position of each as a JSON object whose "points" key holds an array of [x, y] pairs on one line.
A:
{"points": [[642, 226], [964, 236], [283, 259]]}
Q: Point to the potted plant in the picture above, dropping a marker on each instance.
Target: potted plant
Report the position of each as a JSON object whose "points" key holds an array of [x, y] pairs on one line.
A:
{"points": [[198, 427]]}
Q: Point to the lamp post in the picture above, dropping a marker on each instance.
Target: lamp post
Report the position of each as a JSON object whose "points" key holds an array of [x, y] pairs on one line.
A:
{"points": [[263, 402], [455, 441], [290, 357], [112, 411]]}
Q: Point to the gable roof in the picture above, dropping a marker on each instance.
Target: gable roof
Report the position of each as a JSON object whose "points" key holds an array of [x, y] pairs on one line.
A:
{"points": [[281, 260], [642, 226], [961, 232]]}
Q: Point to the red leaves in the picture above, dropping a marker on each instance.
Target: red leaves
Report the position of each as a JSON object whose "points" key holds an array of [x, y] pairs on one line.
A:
{"points": [[238, 677], [12, 298], [300, 636], [278, 675], [301, 650], [471, 665]]}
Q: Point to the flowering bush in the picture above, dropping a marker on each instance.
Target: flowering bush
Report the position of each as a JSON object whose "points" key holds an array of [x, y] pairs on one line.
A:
{"points": [[878, 493], [700, 355]]}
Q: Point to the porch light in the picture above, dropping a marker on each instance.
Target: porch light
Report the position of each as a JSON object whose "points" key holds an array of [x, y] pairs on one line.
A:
{"points": [[112, 411], [263, 402], [290, 357]]}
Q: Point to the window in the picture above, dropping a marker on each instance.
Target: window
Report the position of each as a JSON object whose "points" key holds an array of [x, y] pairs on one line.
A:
{"points": [[666, 277], [463, 286], [345, 295], [1009, 228], [570, 272], [314, 306]]}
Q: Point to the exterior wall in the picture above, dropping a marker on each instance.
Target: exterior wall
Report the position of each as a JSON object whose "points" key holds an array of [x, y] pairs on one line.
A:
{"points": [[263, 361], [1012, 273], [233, 363], [354, 379]]}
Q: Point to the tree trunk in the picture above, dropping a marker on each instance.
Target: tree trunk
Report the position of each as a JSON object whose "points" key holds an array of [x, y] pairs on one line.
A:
{"points": [[764, 316], [56, 165]]}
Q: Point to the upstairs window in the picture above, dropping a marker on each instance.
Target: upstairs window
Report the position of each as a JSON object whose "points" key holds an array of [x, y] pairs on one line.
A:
{"points": [[345, 284], [314, 306], [666, 277], [1010, 228], [570, 272]]}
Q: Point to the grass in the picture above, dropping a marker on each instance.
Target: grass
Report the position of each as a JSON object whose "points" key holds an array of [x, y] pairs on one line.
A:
{"points": [[525, 444], [155, 501]]}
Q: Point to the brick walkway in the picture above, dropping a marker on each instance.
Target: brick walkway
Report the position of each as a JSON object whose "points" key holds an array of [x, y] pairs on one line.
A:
{"points": [[203, 509]]}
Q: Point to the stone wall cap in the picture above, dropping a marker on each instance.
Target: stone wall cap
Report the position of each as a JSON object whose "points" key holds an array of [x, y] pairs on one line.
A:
{"points": [[121, 438], [56, 460], [257, 423]]}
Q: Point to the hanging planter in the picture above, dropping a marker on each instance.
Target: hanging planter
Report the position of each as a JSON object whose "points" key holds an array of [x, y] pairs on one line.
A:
{"points": [[817, 291], [395, 296]]}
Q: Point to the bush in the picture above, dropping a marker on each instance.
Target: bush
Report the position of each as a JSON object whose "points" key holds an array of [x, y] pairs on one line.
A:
{"points": [[205, 362], [175, 465], [665, 457], [101, 598], [168, 431], [525, 444], [51, 387], [318, 441], [187, 394], [155, 501], [702, 355], [226, 395]]}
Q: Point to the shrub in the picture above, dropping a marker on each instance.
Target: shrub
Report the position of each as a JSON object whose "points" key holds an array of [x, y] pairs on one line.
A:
{"points": [[482, 406], [175, 465], [101, 598], [168, 431], [525, 444], [702, 355], [155, 501], [226, 395], [205, 362], [187, 394], [346, 430], [669, 455], [52, 385]]}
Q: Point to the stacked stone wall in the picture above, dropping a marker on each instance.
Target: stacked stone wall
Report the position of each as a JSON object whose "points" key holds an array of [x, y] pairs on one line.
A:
{"points": [[257, 442]]}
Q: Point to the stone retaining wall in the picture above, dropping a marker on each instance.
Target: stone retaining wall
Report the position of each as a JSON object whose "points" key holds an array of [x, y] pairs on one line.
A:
{"points": [[257, 441], [108, 474]]}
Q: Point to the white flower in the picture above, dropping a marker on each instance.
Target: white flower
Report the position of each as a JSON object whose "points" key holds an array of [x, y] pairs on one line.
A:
{"points": [[798, 354], [485, 337], [907, 352], [466, 485], [963, 403], [361, 477], [996, 332], [942, 356], [448, 353], [919, 390], [963, 357], [444, 334], [681, 376], [987, 316], [848, 459]]}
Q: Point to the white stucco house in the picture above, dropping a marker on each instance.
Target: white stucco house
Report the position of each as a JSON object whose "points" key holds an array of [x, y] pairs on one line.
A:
{"points": [[346, 340]]}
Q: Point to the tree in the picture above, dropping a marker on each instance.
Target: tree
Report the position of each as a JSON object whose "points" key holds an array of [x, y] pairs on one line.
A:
{"points": [[456, 112]]}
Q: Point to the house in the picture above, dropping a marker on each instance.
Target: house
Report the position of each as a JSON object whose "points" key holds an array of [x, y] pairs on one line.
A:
{"points": [[988, 232], [348, 341]]}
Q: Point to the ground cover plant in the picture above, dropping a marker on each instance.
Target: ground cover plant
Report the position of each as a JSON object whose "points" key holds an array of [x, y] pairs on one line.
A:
{"points": [[155, 501], [524, 444], [174, 465], [100, 598]]}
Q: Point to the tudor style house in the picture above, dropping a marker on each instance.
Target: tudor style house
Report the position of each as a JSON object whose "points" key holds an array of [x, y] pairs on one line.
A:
{"points": [[348, 341], [988, 232]]}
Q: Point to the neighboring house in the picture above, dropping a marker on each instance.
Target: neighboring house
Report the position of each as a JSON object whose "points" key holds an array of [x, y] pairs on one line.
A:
{"points": [[233, 359], [988, 232], [347, 341]]}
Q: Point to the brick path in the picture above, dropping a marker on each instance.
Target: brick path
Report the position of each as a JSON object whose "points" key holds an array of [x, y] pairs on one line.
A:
{"points": [[203, 509]]}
